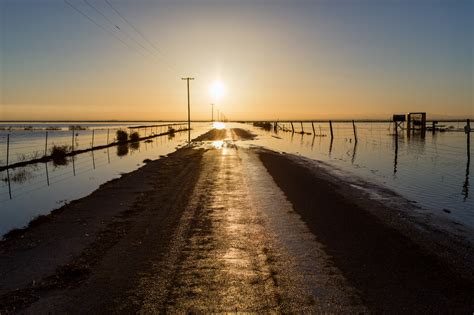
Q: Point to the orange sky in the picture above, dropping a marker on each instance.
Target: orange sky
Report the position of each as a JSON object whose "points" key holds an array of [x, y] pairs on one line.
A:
{"points": [[277, 60]]}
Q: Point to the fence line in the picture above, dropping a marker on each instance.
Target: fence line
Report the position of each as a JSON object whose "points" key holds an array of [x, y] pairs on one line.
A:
{"points": [[75, 148]]}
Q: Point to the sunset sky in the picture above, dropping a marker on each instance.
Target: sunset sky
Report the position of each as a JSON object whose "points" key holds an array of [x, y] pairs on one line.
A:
{"points": [[275, 59]]}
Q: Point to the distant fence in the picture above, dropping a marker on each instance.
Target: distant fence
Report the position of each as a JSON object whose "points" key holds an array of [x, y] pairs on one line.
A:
{"points": [[32, 146]]}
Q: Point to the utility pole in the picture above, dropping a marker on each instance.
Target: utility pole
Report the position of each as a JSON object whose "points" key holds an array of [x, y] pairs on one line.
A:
{"points": [[212, 112], [189, 109], [217, 115]]}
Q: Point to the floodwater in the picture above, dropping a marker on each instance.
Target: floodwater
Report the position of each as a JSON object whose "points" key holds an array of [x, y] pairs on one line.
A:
{"points": [[432, 172], [37, 189]]}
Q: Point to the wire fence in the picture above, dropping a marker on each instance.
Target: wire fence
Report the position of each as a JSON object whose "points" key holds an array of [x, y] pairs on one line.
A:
{"points": [[18, 146]]}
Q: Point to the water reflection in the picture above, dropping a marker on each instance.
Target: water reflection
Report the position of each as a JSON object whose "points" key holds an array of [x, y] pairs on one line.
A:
{"points": [[430, 169], [134, 146], [354, 152], [395, 161], [465, 186], [217, 144], [122, 149], [47, 173], [9, 184], [218, 125]]}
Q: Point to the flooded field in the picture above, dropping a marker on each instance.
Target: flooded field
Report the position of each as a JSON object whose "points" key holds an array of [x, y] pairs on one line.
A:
{"points": [[432, 172], [29, 191]]}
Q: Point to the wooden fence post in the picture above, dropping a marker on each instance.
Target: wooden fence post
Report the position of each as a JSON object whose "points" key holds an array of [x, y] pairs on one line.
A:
{"points": [[330, 127], [468, 132], [8, 147], [312, 125], [292, 128], [108, 136], [355, 133], [46, 145], [72, 143], [92, 143], [302, 129]]}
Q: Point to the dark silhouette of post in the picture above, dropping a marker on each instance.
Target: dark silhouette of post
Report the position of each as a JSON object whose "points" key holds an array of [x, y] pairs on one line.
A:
{"points": [[46, 145], [8, 148], [72, 142], [189, 108], [467, 130], [212, 112], [355, 133]]}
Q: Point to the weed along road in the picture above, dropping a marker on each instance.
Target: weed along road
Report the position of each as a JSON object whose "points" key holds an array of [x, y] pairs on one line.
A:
{"points": [[221, 226]]}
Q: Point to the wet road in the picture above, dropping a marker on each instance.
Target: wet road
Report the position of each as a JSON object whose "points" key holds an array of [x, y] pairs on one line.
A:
{"points": [[242, 248], [208, 229]]}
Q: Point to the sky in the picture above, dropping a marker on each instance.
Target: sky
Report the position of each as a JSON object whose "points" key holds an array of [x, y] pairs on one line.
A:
{"points": [[320, 59]]}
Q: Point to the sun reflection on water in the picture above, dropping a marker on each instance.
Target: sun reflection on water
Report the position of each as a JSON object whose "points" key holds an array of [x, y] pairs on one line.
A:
{"points": [[218, 125], [217, 144]]}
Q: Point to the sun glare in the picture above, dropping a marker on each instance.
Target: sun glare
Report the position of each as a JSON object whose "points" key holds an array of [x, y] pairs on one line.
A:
{"points": [[218, 125], [217, 90]]}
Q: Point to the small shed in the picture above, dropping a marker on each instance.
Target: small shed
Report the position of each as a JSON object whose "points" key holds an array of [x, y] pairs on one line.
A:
{"points": [[416, 121]]}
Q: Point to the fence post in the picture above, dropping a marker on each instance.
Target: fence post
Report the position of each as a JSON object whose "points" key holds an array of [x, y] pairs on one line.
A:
{"points": [[108, 136], [467, 129], [92, 144], [312, 125], [46, 145], [330, 127], [292, 128], [8, 146], [72, 143], [355, 133], [302, 129]]}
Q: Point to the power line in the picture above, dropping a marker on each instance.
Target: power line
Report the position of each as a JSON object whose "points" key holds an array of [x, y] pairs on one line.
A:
{"points": [[142, 35], [132, 26], [117, 27], [99, 25]]}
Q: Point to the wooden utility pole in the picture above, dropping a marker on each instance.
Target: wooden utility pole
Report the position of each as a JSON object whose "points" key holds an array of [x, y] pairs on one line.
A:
{"points": [[212, 112], [189, 108]]}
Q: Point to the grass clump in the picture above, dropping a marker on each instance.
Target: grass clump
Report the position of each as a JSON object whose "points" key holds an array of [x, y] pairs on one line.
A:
{"points": [[135, 136], [59, 153], [122, 136]]}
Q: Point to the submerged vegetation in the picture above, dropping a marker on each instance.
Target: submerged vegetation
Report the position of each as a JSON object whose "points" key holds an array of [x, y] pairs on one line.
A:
{"points": [[122, 136], [59, 154], [122, 149], [134, 136], [77, 127]]}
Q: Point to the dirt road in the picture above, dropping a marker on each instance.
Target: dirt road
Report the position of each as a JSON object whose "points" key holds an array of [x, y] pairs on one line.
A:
{"points": [[219, 228]]}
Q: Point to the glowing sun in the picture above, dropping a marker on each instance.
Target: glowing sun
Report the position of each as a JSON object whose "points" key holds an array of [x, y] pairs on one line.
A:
{"points": [[217, 90]]}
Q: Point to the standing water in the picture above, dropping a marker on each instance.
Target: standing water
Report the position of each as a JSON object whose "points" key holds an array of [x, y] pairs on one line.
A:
{"points": [[37, 189], [432, 172]]}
